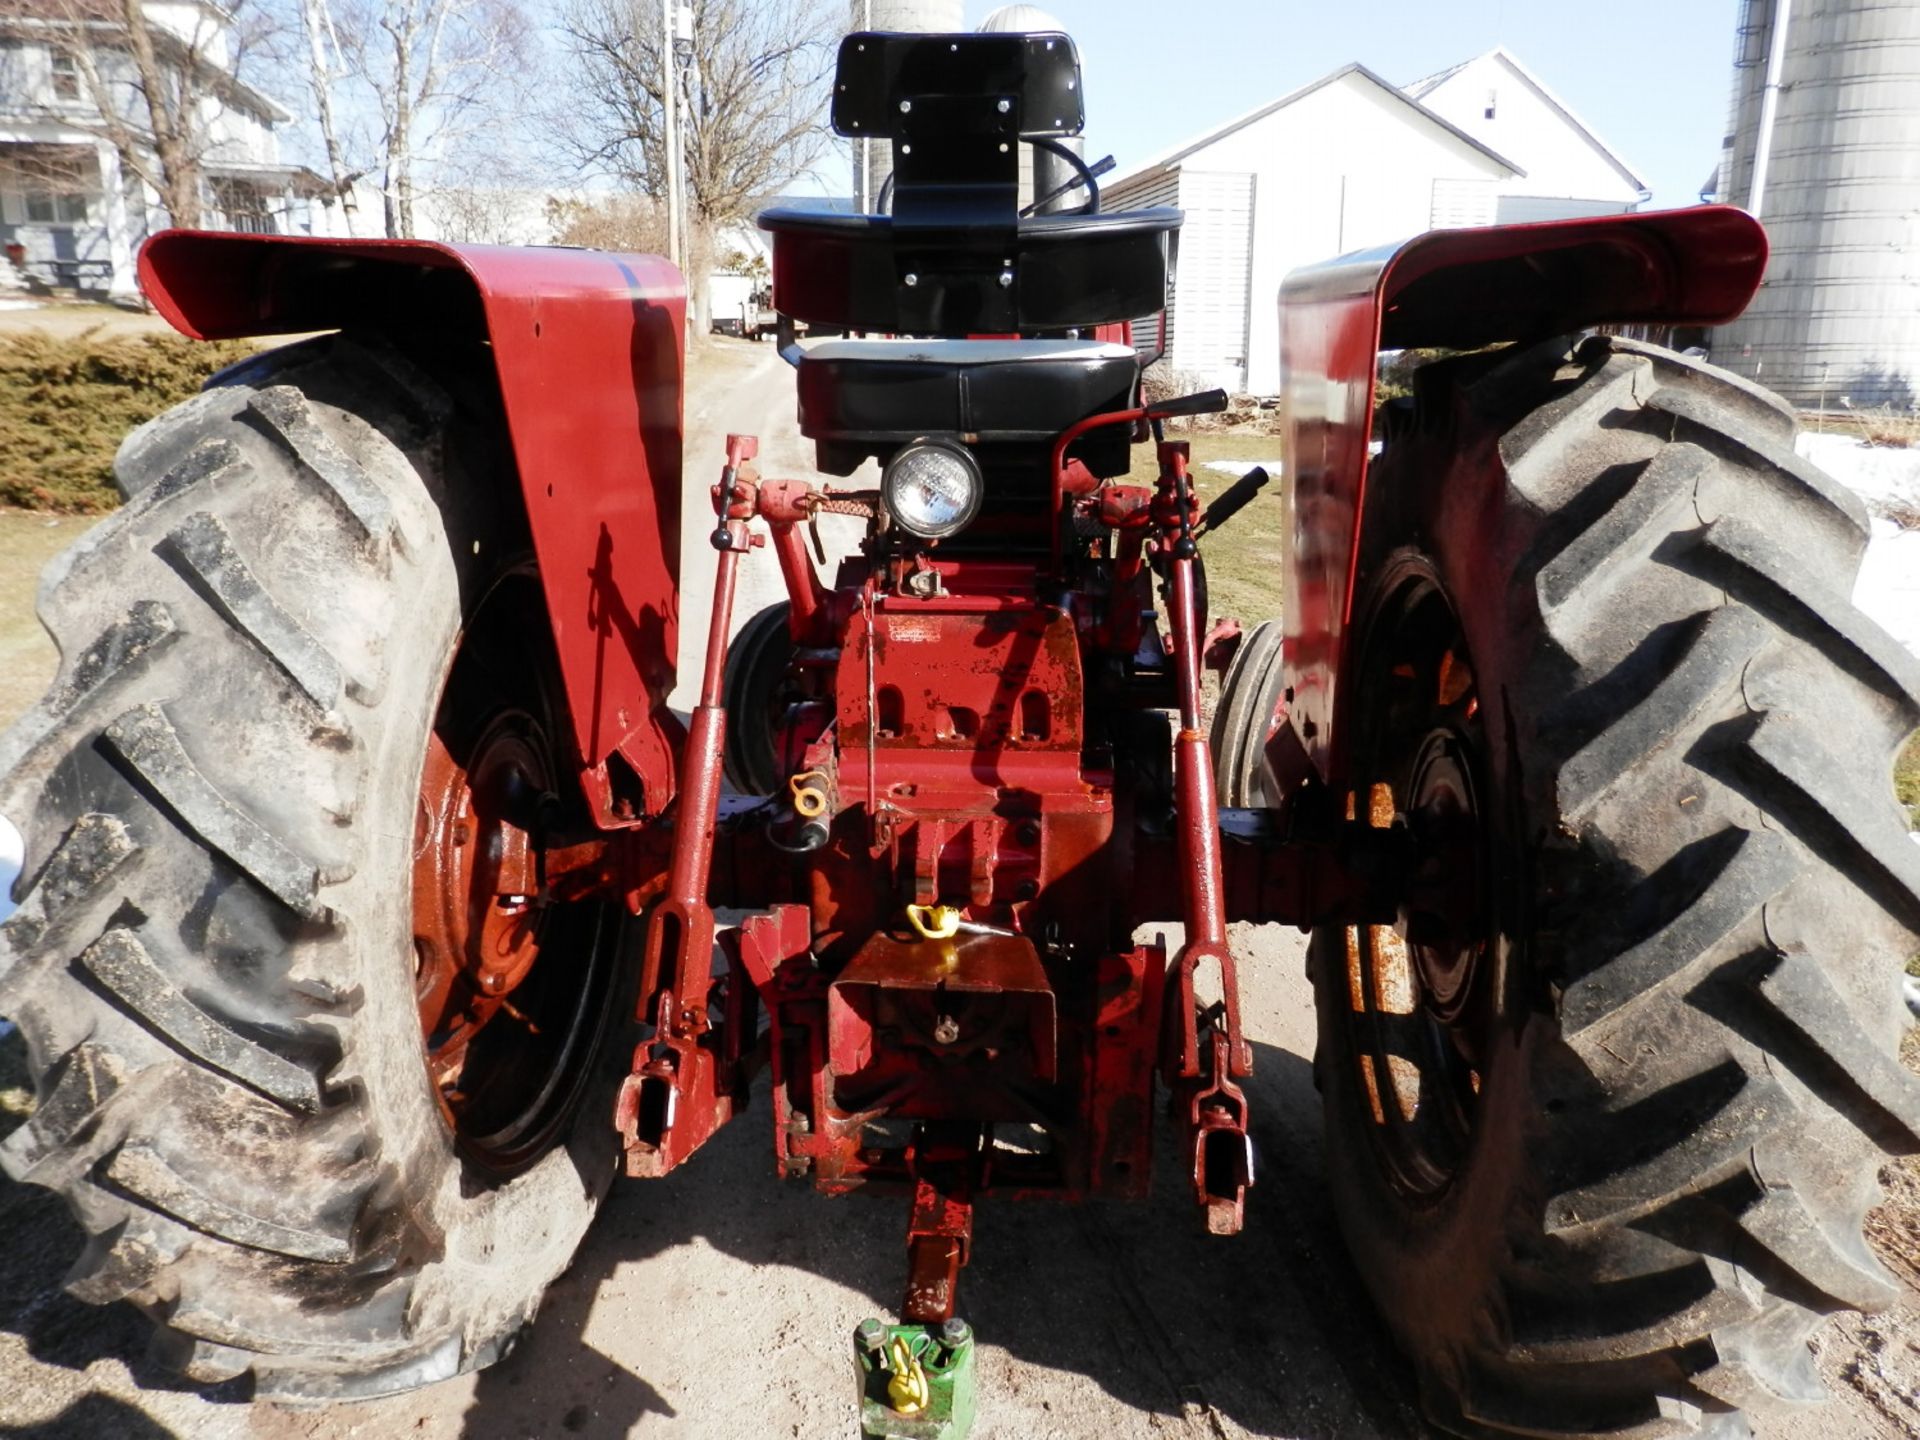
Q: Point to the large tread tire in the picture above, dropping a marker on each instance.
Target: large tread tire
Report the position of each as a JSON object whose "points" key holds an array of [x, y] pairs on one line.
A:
{"points": [[210, 962], [1693, 730]]}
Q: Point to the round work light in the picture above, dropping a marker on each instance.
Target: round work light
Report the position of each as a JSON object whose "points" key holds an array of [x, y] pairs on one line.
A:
{"points": [[932, 489]]}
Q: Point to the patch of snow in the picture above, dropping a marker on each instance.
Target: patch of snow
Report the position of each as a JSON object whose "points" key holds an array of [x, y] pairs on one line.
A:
{"points": [[1237, 468], [1888, 587], [1873, 472]]}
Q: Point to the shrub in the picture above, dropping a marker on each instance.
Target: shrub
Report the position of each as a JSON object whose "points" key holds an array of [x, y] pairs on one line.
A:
{"points": [[67, 402]]}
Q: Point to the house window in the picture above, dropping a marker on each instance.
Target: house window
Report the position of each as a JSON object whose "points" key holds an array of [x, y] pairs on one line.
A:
{"points": [[245, 207], [50, 207], [1493, 99], [66, 76]]}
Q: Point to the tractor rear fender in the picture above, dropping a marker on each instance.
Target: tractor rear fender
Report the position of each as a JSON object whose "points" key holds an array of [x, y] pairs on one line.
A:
{"points": [[1455, 289], [588, 349]]}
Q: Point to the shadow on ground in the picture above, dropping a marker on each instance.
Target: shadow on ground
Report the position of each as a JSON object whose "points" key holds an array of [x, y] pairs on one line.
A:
{"points": [[1270, 1329]]}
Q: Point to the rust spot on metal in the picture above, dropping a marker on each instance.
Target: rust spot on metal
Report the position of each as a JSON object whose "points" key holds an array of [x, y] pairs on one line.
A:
{"points": [[1373, 1090], [1392, 971]]}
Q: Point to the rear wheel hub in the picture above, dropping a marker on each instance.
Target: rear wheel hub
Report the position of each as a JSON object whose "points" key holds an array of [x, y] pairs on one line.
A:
{"points": [[1421, 1012], [512, 989]]}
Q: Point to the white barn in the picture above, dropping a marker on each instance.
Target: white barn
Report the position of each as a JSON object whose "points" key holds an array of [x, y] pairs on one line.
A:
{"points": [[1343, 164]]}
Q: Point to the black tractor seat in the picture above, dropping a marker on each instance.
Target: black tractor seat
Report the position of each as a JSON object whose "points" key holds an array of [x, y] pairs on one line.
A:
{"points": [[956, 257], [1046, 272], [869, 397]]}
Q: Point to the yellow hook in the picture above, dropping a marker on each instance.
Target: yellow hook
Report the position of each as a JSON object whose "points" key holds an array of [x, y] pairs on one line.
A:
{"points": [[934, 922], [907, 1391]]}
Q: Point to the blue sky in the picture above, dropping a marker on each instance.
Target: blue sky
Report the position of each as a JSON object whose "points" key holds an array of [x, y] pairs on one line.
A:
{"points": [[1651, 77]]}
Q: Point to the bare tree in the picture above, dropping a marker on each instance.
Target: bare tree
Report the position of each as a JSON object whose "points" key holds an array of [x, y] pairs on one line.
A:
{"points": [[327, 69], [155, 91], [752, 102], [422, 79], [482, 214], [612, 222]]}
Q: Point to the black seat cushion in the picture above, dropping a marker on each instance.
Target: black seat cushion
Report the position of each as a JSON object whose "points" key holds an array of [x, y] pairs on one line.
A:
{"points": [[861, 272], [868, 397]]}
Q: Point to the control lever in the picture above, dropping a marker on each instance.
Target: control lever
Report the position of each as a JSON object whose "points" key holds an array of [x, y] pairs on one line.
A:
{"points": [[1079, 182], [1230, 503], [1206, 402]]}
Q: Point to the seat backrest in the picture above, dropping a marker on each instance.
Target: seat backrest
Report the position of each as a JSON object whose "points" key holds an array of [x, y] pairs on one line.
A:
{"points": [[955, 109], [954, 257]]}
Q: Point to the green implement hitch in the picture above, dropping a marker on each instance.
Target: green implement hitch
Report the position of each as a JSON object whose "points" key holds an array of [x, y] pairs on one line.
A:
{"points": [[916, 1381]]}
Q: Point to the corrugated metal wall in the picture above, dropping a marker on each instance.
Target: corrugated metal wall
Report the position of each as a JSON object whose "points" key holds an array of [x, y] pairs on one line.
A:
{"points": [[1460, 204], [1212, 284]]}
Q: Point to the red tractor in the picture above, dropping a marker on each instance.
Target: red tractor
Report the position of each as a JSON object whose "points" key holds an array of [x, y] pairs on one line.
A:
{"points": [[372, 916]]}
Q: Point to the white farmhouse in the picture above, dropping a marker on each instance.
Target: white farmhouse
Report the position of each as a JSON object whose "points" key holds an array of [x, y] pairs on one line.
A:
{"points": [[70, 213], [1347, 163]]}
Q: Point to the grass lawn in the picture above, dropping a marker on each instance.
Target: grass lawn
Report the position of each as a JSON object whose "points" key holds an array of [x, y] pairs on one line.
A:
{"points": [[1244, 557], [1906, 781], [28, 540]]}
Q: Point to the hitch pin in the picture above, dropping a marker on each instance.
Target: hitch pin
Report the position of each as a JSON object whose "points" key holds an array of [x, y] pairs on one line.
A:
{"points": [[943, 922]]}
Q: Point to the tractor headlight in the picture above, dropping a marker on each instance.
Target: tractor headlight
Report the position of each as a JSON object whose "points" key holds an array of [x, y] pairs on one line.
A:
{"points": [[932, 489]]}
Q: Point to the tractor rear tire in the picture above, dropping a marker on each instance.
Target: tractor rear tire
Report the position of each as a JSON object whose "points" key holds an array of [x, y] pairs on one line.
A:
{"points": [[212, 960], [1603, 1150]]}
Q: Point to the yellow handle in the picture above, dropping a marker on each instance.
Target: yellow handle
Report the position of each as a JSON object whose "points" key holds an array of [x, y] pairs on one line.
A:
{"points": [[809, 794], [908, 1390], [934, 922]]}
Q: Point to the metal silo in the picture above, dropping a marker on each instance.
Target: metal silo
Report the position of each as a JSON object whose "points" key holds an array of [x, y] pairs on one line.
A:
{"points": [[1838, 172], [873, 162]]}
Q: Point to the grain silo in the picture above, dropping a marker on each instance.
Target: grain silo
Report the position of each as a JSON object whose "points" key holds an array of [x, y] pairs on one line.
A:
{"points": [[872, 160], [1824, 145]]}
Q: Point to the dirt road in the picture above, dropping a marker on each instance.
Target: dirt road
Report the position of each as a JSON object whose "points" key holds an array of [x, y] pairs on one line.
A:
{"points": [[718, 1303]]}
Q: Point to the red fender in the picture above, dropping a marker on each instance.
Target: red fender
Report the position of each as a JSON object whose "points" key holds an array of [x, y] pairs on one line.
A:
{"points": [[589, 351], [1457, 289]]}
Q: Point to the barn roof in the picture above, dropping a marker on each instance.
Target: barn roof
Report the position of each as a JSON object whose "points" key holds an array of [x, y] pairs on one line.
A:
{"points": [[1168, 159], [1426, 85]]}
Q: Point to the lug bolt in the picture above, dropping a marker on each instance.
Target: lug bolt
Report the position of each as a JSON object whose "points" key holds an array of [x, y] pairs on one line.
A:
{"points": [[955, 1332], [946, 1030], [870, 1335]]}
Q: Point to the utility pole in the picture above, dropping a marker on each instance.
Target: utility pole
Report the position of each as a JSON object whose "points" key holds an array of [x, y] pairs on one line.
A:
{"points": [[670, 96], [863, 188]]}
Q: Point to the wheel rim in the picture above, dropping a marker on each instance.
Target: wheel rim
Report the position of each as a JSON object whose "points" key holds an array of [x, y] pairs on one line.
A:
{"points": [[513, 991], [1420, 991]]}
